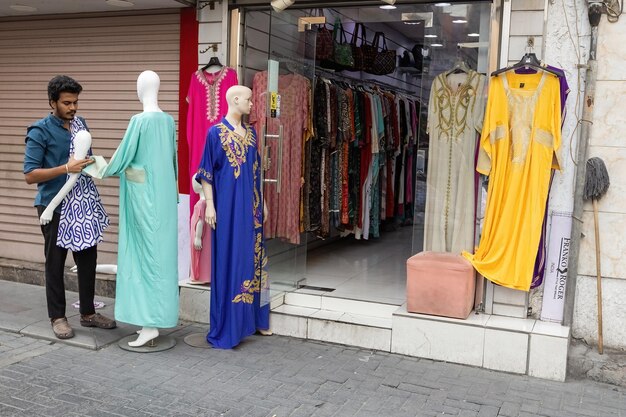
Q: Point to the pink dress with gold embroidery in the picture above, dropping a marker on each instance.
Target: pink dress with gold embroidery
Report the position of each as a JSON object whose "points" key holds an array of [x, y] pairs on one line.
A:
{"points": [[207, 106]]}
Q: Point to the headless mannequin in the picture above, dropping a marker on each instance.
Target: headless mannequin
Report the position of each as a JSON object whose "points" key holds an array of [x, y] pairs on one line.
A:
{"points": [[82, 143], [238, 98], [148, 84], [198, 231], [197, 238]]}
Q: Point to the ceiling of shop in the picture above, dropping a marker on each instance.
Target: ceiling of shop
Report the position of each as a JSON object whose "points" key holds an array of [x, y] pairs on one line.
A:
{"points": [[45, 7]]}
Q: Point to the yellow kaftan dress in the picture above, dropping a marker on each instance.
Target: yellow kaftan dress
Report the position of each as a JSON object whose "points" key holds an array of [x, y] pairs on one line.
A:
{"points": [[519, 147]]}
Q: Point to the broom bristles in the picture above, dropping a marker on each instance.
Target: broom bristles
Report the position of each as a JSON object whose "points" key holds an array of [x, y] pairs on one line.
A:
{"points": [[596, 179]]}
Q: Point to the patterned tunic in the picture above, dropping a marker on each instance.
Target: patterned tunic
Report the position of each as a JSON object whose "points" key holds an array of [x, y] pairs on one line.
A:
{"points": [[83, 218]]}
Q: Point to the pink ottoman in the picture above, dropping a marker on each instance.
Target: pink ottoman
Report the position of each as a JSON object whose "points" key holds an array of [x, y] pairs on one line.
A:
{"points": [[441, 284]]}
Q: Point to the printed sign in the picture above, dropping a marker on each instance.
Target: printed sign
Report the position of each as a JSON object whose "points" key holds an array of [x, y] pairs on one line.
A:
{"points": [[556, 267]]}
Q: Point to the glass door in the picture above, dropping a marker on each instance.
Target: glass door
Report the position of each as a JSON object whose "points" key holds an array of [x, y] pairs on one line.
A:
{"points": [[290, 74]]}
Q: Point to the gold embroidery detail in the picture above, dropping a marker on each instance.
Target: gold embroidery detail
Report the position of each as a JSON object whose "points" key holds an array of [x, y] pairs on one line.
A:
{"points": [[260, 281], [454, 107], [205, 173], [213, 88], [544, 137], [235, 146], [498, 133]]}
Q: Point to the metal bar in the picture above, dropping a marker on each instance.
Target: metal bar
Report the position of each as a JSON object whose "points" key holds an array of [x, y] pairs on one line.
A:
{"points": [[280, 158]]}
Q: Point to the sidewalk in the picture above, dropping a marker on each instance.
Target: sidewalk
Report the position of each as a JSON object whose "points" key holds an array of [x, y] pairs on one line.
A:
{"points": [[23, 310]]}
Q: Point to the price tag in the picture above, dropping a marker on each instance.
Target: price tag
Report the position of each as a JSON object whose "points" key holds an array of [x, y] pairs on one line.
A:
{"points": [[274, 105]]}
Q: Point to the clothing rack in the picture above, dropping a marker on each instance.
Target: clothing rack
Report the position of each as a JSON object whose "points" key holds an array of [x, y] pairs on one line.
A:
{"points": [[358, 81]]}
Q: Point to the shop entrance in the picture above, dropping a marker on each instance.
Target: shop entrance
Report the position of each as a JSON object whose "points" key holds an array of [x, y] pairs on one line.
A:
{"points": [[347, 189]]}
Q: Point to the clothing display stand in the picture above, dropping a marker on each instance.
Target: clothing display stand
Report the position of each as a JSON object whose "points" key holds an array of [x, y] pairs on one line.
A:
{"points": [[159, 344], [197, 340]]}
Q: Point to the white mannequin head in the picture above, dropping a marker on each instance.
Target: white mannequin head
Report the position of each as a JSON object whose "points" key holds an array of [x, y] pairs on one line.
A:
{"points": [[239, 100], [197, 187], [82, 143], [148, 84]]}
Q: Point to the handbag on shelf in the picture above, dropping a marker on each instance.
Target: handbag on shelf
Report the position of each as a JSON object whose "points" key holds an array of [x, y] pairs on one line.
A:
{"points": [[342, 50], [385, 62], [357, 50], [323, 41], [369, 53], [421, 53], [407, 60]]}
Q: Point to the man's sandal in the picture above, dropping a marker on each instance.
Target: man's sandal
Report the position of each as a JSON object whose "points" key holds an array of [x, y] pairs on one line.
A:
{"points": [[61, 328]]}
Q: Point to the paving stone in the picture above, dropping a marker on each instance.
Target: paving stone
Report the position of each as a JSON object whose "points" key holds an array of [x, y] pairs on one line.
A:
{"points": [[275, 376]]}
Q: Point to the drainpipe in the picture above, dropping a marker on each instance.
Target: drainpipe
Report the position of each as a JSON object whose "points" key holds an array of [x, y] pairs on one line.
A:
{"points": [[594, 13]]}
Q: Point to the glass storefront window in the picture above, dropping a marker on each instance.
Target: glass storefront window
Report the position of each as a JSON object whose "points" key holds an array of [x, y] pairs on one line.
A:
{"points": [[399, 173]]}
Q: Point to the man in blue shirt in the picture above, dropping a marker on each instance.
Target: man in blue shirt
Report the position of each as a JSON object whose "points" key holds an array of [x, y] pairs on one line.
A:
{"points": [[47, 163]]}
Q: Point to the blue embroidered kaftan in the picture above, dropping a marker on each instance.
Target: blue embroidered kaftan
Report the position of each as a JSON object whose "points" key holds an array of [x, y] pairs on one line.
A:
{"points": [[231, 164], [147, 273]]}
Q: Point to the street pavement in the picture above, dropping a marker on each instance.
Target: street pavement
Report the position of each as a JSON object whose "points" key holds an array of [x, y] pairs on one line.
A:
{"points": [[270, 376]]}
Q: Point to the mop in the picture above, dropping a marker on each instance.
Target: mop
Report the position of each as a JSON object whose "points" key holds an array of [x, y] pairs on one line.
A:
{"points": [[596, 184]]}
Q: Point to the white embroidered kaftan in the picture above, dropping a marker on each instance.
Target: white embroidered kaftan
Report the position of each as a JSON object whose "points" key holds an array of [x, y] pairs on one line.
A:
{"points": [[455, 114]]}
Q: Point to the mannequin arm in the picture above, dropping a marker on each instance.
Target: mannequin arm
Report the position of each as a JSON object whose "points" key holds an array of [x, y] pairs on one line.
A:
{"points": [[101, 269], [265, 212], [197, 241], [46, 174], [210, 216], [46, 216]]}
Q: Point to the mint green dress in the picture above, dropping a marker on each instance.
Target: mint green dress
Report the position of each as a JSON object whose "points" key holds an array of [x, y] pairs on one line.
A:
{"points": [[147, 273]]}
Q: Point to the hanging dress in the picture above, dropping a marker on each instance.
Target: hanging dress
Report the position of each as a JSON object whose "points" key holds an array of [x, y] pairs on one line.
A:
{"points": [[239, 286], [519, 147], [207, 106], [454, 120], [83, 218], [295, 94], [147, 271]]}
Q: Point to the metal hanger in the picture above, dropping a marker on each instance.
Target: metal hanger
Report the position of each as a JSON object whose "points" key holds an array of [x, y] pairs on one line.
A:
{"points": [[214, 59], [460, 66], [529, 60]]}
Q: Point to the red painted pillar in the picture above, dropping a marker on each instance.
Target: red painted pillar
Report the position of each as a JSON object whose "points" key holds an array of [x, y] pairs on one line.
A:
{"points": [[188, 64]]}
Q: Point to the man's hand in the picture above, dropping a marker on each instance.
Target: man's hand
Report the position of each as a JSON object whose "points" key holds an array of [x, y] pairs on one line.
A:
{"points": [[74, 166]]}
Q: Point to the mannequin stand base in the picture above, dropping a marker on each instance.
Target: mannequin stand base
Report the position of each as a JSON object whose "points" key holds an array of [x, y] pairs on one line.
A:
{"points": [[197, 340], [159, 344]]}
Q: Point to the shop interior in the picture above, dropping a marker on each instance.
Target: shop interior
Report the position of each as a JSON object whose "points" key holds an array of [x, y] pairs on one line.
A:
{"points": [[330, 257]]}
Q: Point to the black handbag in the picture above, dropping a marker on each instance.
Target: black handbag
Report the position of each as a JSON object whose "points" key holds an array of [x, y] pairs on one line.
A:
{"points": [[357, 50], [385, 62], [323, 44], [369, 53], [406, 60]]}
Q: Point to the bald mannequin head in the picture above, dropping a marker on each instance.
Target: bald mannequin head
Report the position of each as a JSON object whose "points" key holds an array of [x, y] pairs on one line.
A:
{"points": [[148, 84], [238, 98]]}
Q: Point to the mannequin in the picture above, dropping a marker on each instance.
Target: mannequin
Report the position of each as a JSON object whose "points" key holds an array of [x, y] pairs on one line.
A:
{"points": [[147, 271], [148, 85], [200, 270], [230, 174], [82, 143]]}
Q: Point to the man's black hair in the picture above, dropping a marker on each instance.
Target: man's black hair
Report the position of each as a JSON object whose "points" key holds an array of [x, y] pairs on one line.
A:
{"points": [[62, 84]]}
